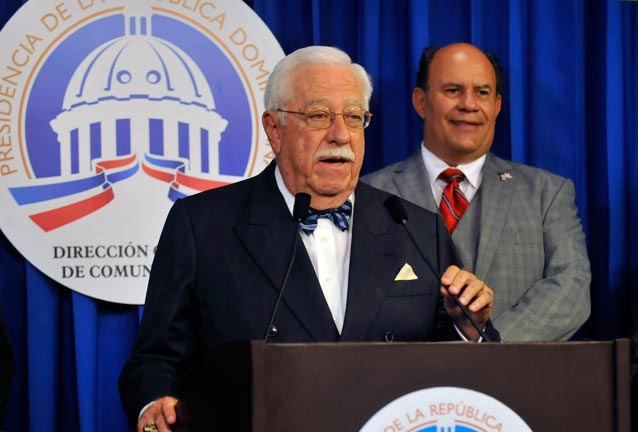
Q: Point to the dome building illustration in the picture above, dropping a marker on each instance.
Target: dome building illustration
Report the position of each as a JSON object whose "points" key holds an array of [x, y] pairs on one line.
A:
{"points": [[139, 95]]}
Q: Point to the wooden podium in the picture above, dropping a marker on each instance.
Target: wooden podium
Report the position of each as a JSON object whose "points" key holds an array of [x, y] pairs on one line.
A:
{"points": [[261, 387]]}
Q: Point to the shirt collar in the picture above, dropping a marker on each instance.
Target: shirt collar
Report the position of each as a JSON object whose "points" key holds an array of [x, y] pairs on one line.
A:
{"points": [[289, 197], [435, 166]]}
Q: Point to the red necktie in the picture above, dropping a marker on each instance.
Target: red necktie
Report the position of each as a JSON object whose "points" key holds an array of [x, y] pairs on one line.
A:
{"points": [[453, 202]]}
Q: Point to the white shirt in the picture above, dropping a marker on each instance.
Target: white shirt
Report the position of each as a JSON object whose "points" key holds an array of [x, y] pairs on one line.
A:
{"points": [[435, 166], [329, 251]]}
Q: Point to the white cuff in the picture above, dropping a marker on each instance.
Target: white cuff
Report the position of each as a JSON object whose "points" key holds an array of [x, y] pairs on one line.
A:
{"points": [[480, 339]]}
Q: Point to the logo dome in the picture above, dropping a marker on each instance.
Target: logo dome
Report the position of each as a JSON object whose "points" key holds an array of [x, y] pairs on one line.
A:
{"points": [[158, 81]]}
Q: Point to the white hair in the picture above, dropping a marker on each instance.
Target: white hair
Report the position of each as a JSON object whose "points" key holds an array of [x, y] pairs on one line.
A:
{"points": [[279, 91]]}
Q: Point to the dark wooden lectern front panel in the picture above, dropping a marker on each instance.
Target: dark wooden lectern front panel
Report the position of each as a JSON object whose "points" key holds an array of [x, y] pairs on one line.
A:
{"points": [[338, 387]]}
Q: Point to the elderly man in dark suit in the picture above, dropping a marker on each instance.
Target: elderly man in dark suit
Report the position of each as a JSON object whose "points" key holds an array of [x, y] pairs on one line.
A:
{"points": [[514, 226], [224, 254]]}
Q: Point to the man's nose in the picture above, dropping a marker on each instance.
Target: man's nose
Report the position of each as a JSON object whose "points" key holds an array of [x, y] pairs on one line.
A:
{"points": [[338, 132], [468, 101]]}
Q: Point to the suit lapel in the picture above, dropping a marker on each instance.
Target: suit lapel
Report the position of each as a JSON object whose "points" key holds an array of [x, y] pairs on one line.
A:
{"points": [[269, 237], [496, 198], [411, 179], [374, 260]]}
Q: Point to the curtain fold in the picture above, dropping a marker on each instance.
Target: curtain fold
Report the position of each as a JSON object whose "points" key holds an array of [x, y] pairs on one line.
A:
{"points": [[86, 325], [569, 106]]}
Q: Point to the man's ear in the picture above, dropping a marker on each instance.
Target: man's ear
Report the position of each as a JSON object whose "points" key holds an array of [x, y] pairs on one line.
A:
{"points": [[272, 126], [418, 101], [498, 105]]}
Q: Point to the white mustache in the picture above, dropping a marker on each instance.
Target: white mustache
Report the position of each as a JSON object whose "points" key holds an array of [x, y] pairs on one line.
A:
{"points": [[338, 152]]}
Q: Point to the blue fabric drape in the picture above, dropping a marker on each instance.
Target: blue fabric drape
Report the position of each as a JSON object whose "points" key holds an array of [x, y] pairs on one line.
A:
{"points": [[569, 106]]}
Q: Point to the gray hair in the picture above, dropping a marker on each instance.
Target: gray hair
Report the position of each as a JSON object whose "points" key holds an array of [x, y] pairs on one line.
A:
{"points": [[279, 91]]}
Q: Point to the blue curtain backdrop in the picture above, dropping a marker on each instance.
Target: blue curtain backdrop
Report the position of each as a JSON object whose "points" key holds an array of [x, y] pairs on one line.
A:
{"points": [[569, 106]]}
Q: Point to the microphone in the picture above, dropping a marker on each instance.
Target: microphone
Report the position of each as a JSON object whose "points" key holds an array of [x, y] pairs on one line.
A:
{"points": [[299, 213], [301, 206], [400, 216]]}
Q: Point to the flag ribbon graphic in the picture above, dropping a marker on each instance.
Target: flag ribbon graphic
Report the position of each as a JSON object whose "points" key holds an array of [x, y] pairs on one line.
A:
{"points": [[60, 203], [57, 204], [173, 172]]}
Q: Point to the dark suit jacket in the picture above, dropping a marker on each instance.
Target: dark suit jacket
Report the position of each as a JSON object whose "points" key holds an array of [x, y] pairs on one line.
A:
{"points": [[221, 260]]}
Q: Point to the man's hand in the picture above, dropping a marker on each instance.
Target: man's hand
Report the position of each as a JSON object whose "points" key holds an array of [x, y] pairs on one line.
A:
{"points": [[160, 413], [472, 293]]}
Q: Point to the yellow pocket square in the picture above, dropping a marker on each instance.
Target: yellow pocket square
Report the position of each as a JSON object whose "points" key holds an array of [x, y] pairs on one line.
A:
{"points": [[406, 273]]}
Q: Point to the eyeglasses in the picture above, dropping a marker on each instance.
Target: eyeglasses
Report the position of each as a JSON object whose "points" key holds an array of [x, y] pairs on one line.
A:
{"points": [[320, 118]]}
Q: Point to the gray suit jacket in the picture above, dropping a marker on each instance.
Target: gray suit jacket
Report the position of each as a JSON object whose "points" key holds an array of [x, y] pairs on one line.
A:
{"points": [[522, 235]]}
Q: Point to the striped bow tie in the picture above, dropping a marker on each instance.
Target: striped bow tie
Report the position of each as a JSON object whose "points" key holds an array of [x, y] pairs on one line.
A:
{"points": [[339, 216]]}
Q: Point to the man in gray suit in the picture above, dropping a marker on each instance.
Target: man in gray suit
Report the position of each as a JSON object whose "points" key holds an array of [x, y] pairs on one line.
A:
{"points": [[520, 232]]}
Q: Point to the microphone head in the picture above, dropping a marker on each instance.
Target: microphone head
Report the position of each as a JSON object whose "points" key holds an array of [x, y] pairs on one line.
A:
{"points": [[396, 209], [300, 209]]}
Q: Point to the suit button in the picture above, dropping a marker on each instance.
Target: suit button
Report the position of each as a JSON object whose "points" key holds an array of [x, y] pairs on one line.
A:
{"points": [[272, 331], [389, 337]]}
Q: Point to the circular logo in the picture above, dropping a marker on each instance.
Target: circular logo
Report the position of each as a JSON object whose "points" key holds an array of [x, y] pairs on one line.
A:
{"points": [[449, 409], [112, 110]]}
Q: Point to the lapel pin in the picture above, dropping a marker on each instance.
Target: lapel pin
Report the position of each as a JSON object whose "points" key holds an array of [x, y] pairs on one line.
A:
{"points": [[505, 176]]}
